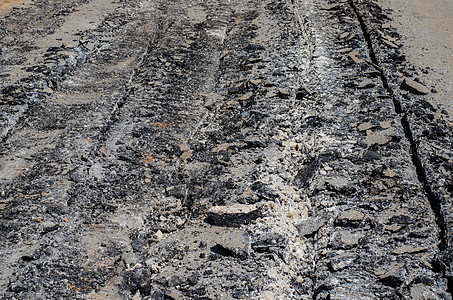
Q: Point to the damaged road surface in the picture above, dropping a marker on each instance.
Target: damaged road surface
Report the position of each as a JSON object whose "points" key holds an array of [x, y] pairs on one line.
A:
{"points": [[213, 149]]}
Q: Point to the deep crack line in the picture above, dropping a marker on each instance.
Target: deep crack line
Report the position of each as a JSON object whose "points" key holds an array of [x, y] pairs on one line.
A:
{"points": [[434, 200]]}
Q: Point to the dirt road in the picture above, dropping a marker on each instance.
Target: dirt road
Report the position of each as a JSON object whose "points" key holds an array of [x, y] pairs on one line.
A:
{"points": [[237, 149]]}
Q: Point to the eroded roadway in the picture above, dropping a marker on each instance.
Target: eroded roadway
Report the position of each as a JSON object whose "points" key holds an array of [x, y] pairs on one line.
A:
{"points": [[218, 150]]}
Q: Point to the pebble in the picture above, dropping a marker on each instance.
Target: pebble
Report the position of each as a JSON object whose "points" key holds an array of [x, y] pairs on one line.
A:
{"points": [[175, 281], [390, 44], [344, 35], [354, 56], [386, 124], [246, 96], [270, 84], [32, 253], [193, 279], [344, 50], [283, 93], [332, 6], [137, 296], [152, 265], [268, 241], [159, 235], [306, 173], [271, 94], [371, 155], [49, 226]]}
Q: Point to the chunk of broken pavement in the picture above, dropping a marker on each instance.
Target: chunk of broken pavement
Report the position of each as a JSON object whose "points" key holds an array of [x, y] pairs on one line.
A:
{"points": [[351, 218], [414, 87], [233, 215], [379, 137], [365, 126], [341, 262], [311, 226], [366, 84], [344, 239], [235, 243], [392, 275]]}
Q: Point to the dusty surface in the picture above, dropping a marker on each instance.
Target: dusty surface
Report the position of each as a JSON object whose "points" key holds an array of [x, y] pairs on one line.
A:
{"points": [[427, 31], [219, 150], [7, 5]]}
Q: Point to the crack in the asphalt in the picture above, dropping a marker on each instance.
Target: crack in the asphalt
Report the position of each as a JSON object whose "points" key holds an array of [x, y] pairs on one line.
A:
{"points": [[374, 62], [434, 200]]}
